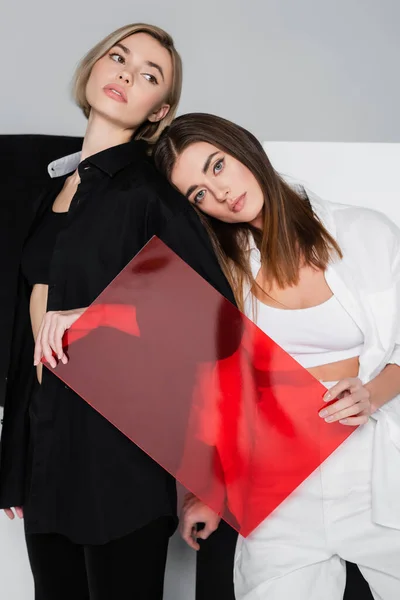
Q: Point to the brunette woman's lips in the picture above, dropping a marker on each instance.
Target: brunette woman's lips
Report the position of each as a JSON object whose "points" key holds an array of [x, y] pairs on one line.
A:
{"points": [[239, 203], [116, 92]]}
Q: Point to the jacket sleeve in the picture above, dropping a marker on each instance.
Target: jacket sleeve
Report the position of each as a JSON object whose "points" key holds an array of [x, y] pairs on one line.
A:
{"points": [[187, 237], [20, 381], [391, 410], [395, 357]]}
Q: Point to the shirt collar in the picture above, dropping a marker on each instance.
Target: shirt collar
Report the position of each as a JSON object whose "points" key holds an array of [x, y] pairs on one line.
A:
{"points": [[63, 166], [110, 160]]}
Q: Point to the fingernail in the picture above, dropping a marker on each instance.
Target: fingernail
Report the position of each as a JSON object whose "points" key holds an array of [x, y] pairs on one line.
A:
{"points": [[323, 413], [327, 397], [343, 421], [328, 419]]}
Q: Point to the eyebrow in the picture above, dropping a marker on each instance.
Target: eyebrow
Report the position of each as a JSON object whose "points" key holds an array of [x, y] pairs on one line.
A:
{"points": [[156, 66], [190, 191], [205, 169], [124, 48], [147, 62], [208, 161]]}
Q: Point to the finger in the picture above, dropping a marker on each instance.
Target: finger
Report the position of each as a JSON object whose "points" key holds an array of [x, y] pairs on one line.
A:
{"points": [[351, 383], [205, 532], [46, 349], [9, 512], [347, 400], [355, 421], [58, 337], [189, 533], [337, 406], [20, 512], [51, 338], [355, 409]]}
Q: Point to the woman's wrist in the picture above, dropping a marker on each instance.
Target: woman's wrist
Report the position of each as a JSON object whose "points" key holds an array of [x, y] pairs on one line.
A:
{"points": [[384, 387]]}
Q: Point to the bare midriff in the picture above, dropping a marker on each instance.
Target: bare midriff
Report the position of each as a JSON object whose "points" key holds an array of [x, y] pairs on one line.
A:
{"points": [[342, 369], [37, 310]]}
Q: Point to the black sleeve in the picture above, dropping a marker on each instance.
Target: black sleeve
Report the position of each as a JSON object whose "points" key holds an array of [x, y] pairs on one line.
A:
{"points": [[20, 383], [17, 347], [187, 237]]}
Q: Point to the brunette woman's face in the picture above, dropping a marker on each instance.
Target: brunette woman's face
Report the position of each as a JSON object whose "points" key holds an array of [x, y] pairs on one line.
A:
{"points": [[130, 83], [218, 184]]}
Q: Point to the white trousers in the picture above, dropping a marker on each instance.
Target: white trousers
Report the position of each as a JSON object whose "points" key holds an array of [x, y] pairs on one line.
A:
{"points": [[300, 550]]}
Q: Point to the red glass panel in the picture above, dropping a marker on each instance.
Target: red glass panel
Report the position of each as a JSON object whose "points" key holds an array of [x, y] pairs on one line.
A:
{"points": [[194, 383]]}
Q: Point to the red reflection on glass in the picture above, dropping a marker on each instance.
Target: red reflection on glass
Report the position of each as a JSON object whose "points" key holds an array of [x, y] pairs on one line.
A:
{"points": [[195, 384]]}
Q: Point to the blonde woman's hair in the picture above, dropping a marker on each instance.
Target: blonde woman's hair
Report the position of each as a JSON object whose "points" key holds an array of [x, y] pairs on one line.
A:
{"points": [[147, 131]]}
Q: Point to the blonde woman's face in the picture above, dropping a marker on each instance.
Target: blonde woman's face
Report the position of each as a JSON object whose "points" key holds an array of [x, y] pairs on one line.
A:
{"points": [[218, 184], [130, 83]]}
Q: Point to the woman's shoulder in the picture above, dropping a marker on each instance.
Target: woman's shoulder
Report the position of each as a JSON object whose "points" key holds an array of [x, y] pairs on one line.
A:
{"points": [[363, 222], [159, 190], [357, 223]]}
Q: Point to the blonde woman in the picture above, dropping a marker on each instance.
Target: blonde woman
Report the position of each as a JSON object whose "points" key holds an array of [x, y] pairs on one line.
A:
{"points": [[322, 280], [98, 511]]}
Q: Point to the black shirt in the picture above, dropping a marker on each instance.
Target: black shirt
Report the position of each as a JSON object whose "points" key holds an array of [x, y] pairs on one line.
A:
{"points": [[38, 250], [79, 476]]}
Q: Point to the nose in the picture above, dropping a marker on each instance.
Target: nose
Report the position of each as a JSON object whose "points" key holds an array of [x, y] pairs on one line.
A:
{"points": [[222, 194], [125, 77]]}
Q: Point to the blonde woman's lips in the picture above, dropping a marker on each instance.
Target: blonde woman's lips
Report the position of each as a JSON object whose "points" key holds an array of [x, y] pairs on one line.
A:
{"points": [[116, 92]]}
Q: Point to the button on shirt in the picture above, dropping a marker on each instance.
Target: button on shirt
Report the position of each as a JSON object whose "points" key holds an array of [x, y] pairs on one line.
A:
{"points": [[82, 477]]}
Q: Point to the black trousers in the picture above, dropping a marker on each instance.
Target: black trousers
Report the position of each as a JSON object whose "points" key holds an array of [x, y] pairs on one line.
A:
{"points": [[129, 568], [214, 570]]}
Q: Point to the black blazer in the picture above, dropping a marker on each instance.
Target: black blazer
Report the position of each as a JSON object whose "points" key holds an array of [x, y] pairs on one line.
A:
{"points": [[23, 173], [78, 458]]}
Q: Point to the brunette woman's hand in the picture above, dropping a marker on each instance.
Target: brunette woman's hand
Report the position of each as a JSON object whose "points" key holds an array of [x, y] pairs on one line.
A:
{"points": [[19, 511], [50, 335], [353, 403], [195, 511]]}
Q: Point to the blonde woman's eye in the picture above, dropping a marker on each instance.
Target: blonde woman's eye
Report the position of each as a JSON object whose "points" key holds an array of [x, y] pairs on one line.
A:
{"points": [[150, 78], [117, 58], [218, 166], [199, 197]]}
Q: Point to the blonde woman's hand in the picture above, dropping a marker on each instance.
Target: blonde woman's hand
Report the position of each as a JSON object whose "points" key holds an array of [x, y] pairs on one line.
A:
{"points": [[50, 335], [19, 511], [350, 403], [195, 511]]}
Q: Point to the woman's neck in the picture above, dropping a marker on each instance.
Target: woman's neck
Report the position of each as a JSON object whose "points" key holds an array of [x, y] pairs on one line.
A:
{"points": [[102, 134]]}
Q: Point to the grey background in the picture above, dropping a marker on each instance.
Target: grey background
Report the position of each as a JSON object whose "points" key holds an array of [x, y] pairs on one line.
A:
{"points": [[307, 70], [289, 70]]}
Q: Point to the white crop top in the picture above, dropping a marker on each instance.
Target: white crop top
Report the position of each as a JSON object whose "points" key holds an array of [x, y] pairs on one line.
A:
{"points": [[313, 336]]}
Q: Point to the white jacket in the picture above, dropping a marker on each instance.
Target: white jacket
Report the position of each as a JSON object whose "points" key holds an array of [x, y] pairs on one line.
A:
{"points": [[367, 284]]}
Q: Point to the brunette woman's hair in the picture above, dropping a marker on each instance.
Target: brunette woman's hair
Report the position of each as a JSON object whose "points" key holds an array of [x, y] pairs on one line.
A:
{"points": [[291, 234]]}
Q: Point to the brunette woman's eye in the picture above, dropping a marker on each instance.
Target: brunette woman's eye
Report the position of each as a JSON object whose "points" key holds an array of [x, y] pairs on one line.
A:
{"points": [[199, 197], [219, 165]]}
